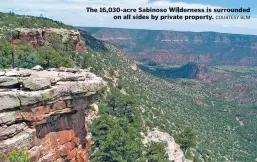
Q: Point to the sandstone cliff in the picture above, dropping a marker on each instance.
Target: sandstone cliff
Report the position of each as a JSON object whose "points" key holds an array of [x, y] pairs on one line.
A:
{"points": [[43, 112], [47, 37]]}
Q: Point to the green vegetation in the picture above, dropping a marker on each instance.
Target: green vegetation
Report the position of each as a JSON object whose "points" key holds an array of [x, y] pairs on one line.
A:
{"points": [[26, 56], [6, 52], [48, 57], [115, 140], [16, 156], [171, 105], [187, 138], [156, 152], [11, 20], [116, 134]]}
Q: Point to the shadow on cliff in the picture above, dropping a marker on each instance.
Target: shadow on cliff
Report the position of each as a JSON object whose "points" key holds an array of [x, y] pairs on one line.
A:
{"points": [[189, 70], [93, 43]]}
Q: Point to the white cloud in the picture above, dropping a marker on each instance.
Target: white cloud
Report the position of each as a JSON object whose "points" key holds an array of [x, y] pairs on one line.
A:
{"points": [[74, 12]]}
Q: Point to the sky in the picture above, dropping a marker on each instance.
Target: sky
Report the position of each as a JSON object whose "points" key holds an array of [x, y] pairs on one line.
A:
{"points": [[74, 12]]}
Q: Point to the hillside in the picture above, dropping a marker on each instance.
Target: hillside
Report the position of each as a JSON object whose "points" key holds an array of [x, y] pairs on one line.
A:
{"points": [[173, 47], [224, 127]]}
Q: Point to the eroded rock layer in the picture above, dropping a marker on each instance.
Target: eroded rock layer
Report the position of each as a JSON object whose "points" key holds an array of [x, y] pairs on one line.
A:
{"points": [[47, 37], [43, 112]]}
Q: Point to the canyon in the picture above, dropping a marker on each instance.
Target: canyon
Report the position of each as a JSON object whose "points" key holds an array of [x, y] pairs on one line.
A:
{"points": [[176, 47]]}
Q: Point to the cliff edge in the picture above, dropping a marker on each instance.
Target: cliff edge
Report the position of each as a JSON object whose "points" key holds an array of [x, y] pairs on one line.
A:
{"points": [[43, 112]]}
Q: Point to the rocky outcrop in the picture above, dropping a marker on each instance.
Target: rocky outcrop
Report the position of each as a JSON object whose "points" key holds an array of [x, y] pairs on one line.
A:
{"points": [[47, 37], [175, 154], [92, 114], [43, 112]]}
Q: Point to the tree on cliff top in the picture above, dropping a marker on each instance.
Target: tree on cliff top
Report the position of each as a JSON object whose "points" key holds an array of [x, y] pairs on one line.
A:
{"points": [[24, 56], [187, 138], [6, 50], [156, 152], [48, 57]]}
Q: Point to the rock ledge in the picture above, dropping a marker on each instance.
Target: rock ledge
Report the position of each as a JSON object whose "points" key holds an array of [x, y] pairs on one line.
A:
{"points": [[43, 112]]}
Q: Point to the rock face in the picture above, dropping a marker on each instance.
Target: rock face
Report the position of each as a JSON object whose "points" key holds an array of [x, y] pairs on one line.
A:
{"points": [[47, 36], [175, 154], [43, 113]]}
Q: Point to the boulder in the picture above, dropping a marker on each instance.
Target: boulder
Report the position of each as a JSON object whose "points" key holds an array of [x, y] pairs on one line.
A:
{"points": [[37, 67], [36, 83]]}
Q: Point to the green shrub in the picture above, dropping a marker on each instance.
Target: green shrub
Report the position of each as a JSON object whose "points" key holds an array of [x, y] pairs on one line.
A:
{"points": [[186, 138], [16, 156], [156, 152], [49, 57], [6, 52]]}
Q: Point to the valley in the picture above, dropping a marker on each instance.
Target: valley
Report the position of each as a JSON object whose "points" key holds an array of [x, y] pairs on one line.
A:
{"points": [[219, 103], [176, 47]]}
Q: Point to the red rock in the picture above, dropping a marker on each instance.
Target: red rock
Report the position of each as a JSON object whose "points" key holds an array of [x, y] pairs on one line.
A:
{"points": [[18, 115], [66, 136], [59, 105], [66, 148], [73, 160], [80, 159], [41, 110], [43, 37], [34, 154], [76, 141], [72, 154], [35, 114], [54, 156], [80, 47], [53, 139]]}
